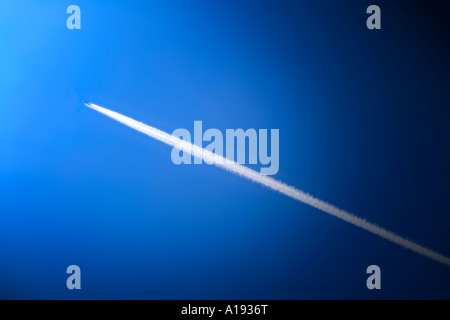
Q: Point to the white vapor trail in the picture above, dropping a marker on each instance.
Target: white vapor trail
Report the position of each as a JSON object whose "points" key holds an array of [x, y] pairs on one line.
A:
{"points": [[269, 182]]}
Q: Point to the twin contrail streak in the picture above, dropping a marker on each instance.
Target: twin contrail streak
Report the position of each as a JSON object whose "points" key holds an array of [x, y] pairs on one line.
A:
{"points": [[269, 182]]}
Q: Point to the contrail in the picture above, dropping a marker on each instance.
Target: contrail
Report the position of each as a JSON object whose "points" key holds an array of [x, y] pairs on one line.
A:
{"points": [[269, 182]]}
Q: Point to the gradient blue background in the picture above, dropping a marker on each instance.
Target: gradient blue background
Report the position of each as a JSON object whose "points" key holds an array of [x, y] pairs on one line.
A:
{"points": [[363, 118]]}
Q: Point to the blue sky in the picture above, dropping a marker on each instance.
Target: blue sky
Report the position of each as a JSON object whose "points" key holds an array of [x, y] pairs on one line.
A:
{"points": [[363, 124]]}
